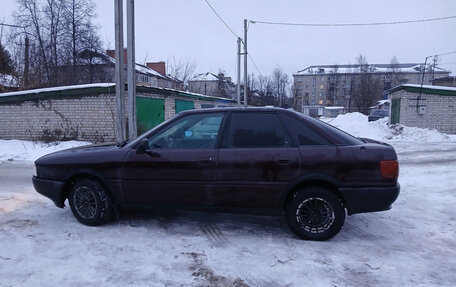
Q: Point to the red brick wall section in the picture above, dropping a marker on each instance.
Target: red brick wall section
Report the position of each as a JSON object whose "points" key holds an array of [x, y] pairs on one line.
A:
{"points": [[112, 54]]}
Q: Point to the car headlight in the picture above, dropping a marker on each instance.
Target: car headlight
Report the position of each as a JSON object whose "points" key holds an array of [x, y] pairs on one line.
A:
{"points": [[35, 172]]}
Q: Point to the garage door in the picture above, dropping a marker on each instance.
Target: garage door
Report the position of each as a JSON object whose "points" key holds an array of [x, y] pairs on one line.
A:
{"points": [[183, 105], [149, 113]]}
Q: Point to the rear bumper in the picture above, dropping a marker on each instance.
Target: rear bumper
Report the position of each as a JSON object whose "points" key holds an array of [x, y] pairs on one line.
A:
{"points": [[51, 189], [370, 199]]}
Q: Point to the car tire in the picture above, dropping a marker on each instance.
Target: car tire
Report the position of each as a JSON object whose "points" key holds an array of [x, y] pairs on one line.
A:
{"points": [[315, 213], [90, 202]]}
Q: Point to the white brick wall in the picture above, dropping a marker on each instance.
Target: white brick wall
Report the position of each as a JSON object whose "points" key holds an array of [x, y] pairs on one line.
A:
{"points": [[87, 118], [440, 111]]}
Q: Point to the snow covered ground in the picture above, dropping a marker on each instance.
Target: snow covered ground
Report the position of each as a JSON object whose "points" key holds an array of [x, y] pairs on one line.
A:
{"points": [[411, 245]]}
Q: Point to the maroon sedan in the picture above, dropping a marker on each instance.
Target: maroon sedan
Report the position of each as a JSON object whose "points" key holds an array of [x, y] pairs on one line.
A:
{"points": [[229, 159]]}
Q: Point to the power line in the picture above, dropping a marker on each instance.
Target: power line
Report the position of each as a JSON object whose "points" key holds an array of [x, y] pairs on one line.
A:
{"points": [[231, 30], [443, 54], [351, 24], [254, 64]]}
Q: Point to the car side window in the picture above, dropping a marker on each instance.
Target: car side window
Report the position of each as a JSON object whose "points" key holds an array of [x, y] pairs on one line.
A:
{"points": [[302, 133], [248, 130], [191, 132]]}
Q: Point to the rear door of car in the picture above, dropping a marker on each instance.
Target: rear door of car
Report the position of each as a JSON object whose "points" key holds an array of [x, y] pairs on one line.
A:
{"points": [[257, 160]]}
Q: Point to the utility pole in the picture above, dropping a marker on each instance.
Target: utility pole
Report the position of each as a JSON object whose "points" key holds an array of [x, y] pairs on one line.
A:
{"points": [[26, 61], [239, 72], [119, 66], [433, 66], [245, 63], [131, 69]]}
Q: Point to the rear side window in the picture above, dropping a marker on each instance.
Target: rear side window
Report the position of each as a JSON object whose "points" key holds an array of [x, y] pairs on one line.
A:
{"points": [[302, 133], [338, 135], [248, 130]]}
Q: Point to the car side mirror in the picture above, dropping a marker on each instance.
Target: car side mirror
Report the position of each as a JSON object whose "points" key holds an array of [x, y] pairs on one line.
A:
{"points": [[143, 146]]}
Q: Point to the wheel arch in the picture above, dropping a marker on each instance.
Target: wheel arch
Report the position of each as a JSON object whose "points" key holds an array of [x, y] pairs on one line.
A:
{"points": [[320, 180], [92, 175]]}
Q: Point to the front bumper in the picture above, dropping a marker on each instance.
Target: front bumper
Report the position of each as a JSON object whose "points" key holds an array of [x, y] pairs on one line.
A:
{"points": [[369, 199], [52, 189]]}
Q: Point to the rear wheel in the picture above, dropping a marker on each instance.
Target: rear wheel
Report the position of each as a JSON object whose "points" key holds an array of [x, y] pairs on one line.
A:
{"points": [[90, 203], [315, 213]]}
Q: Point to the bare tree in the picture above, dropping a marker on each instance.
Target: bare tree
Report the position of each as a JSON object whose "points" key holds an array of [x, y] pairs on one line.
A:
{"points": [[6, 64], [182, 70], [281, 82], [367, 88], [80, 32], [59, 30]]}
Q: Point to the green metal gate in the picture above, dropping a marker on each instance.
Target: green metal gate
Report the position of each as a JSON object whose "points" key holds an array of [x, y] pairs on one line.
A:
{"points": [[149, 113], [183, 105], [395, 111]]}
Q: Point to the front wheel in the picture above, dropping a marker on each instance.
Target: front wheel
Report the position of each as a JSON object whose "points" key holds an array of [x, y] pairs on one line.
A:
{"points": [[90, 203], [315, 213]]}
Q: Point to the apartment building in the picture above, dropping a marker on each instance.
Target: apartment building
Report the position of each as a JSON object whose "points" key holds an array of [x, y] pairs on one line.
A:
{"points": [[356, 87]]}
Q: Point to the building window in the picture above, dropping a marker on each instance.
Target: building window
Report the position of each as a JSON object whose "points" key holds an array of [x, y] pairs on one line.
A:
{"points": [[314, 79], [320, 102], [299, 79], [320, 94]]}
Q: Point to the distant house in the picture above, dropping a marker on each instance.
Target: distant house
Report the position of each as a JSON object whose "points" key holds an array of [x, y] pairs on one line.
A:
{"points": [[448, 81], [336, 85], [213, 85], [424, 107], [8, 83], [96, 67]]}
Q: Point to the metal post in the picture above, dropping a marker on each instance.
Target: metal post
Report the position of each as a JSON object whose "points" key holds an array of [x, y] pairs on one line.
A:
{"points": [[245, 63], [26, 62], [131, 69], [239, 73], [120, 80]]}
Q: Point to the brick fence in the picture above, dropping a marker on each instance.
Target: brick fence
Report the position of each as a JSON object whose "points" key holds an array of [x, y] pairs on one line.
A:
{"points": [[85, 113]]}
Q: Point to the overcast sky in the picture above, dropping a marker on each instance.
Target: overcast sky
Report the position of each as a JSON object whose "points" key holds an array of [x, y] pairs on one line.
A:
{"points": [[189, 30]]}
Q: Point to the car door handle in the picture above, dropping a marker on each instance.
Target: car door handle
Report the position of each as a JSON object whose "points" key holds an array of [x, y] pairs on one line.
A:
{"points": [[205, 161], [153, 153], [284, 161]]}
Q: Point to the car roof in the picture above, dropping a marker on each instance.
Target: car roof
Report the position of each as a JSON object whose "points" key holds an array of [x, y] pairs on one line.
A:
{"points": [[233, 109]]}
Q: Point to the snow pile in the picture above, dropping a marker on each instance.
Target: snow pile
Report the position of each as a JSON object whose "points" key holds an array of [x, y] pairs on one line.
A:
{"points": [[11, 150], [357, 125]]}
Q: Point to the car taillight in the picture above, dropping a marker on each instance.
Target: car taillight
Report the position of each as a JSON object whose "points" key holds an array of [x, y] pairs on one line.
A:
{"points": [[389, 168]]}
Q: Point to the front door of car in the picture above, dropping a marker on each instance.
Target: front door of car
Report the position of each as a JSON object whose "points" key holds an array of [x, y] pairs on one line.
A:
{"points": [[256, 163], [176, 165]]}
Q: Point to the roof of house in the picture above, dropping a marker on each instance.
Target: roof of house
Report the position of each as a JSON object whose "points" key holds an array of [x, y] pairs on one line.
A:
{"points": [[425, 89], [205, 77], [371, 68], [444, 78], [92, 57]]}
